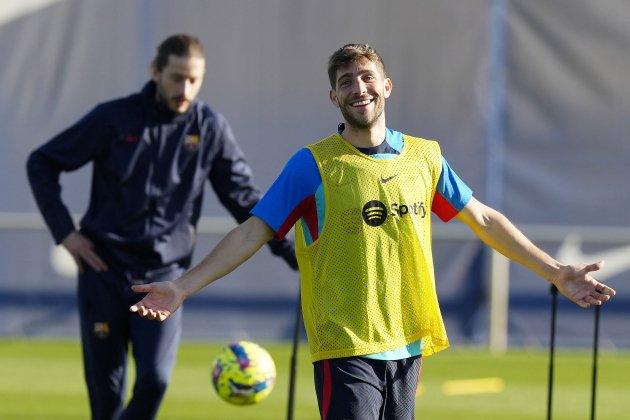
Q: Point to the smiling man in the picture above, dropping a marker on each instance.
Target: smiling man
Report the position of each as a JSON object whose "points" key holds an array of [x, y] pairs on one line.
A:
{"points": [[151, 153], [359, 201], [362, 111]]}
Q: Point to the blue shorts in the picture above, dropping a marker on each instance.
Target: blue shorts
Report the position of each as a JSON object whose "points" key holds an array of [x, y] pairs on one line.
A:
{"points": [[367, 389]]}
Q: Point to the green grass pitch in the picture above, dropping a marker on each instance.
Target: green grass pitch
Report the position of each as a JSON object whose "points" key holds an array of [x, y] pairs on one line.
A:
{"points": [[42, 379]]}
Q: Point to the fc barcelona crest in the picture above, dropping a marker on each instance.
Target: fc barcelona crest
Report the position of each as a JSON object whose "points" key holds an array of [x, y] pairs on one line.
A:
{"points": [[101, 330], [191, 142]]}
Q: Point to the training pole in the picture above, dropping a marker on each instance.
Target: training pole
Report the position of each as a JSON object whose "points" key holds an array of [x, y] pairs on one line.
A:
{"points": [[552, 345], [296, 341], [595, 347]]}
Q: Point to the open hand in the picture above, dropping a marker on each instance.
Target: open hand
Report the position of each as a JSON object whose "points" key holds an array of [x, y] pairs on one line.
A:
{"points": [[162, 299], [577, 284]]}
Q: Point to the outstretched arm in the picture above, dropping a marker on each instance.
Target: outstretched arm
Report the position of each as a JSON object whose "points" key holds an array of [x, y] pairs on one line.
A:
{"points": [[573, 281], [163, 298]]}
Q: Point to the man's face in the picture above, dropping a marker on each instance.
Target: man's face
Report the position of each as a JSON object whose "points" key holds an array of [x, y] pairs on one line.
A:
{"points": [[179, 82], [360, 93]]}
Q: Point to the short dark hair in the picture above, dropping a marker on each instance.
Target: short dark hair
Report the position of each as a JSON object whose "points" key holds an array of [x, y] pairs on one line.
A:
{"points": [[348, 54], [181, 45]]}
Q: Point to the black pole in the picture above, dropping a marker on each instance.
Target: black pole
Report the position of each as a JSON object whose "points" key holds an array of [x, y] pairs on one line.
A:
{"points": [[552, 345], [296, 340], [595, 347]]}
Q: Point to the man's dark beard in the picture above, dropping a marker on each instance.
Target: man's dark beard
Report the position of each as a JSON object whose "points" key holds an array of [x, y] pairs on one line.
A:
{"points": [[360, 124]]}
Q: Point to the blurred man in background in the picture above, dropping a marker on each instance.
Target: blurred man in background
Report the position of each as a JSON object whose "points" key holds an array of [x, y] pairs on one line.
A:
{"points": [[151, 153]]}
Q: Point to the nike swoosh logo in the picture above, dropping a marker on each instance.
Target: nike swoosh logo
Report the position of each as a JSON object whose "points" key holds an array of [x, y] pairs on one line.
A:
{"points": [[384, 180], [617, 260]]}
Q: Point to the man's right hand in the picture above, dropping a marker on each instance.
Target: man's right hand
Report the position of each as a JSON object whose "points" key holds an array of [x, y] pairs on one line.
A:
{"points": [[82, 250], [161, 299]]}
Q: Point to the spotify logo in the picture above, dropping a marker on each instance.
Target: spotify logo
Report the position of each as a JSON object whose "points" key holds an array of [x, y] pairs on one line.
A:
{"points": [[374, 213]]}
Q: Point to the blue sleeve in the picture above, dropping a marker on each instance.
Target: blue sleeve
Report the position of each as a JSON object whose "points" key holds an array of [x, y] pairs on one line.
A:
{"points": [[291, 195], [230, 175], [79, 144], [451, 195]]}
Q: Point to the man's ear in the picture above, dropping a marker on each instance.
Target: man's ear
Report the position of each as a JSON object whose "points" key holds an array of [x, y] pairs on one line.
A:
{"points": [[155, 73], [388, 87], [333, 98]]}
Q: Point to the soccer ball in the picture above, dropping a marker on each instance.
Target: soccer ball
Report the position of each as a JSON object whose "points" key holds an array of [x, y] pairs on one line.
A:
{"points": [[243, 373]]}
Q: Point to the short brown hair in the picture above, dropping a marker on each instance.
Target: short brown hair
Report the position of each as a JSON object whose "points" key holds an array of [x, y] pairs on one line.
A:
{"points": [[181, 45], [348, 54]]}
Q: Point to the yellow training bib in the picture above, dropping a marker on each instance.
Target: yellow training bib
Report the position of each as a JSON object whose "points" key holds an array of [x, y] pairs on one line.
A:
{"points": [[367, 282]]}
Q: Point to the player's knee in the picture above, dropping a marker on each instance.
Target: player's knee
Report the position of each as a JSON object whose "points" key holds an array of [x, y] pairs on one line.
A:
{"points": [[151, 386]]}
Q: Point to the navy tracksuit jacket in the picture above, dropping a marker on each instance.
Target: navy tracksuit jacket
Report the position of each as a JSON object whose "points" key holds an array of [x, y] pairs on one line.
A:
{"points": [[150, 167]]}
